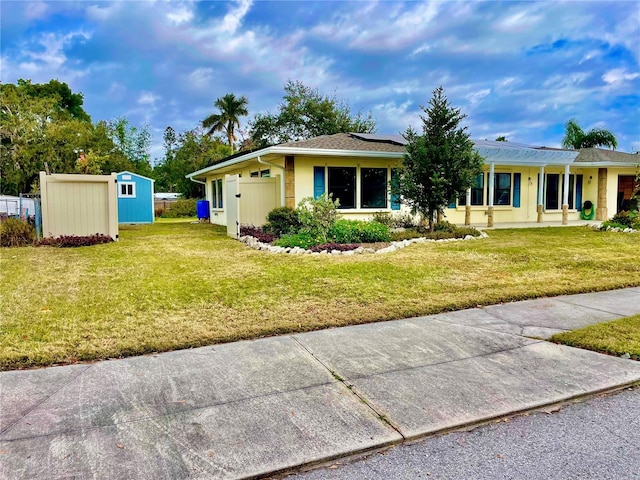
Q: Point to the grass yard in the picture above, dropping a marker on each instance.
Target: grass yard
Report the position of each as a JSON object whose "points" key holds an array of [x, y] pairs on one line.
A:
{"points": [[176, 284], [615, 338]]}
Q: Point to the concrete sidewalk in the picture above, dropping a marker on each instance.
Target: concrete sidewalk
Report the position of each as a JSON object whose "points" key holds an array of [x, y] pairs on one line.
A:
{"points": [[258, 407]]}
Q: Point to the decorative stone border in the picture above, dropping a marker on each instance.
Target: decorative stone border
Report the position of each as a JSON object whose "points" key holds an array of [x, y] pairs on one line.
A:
{"points": [[255, 244], [615, 229]]}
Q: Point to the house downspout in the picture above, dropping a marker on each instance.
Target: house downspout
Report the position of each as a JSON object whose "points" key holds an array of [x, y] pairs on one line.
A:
{"points": [[264, 162], [197, 181]]}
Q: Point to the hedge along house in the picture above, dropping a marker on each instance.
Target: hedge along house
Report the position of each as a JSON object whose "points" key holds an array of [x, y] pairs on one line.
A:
{"points": [[519, 183], [135, 198]]}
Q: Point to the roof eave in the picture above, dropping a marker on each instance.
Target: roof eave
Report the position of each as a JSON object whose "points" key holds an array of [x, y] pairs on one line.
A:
{"points": [[607, 164], [276, 150]]}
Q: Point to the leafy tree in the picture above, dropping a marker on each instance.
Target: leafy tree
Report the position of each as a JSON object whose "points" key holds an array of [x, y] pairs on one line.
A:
{"points": [[192, 151], [34, 129], [133, 143], [231, 109], [440, 165], [501, 138], [576, 138], [66, 101], [305, 113]]}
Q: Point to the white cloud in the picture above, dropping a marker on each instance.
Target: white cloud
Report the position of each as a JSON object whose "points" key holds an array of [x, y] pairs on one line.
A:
{"points": [[147, 98], [44, 60], [100, 13], [379, 26], [201, 78], [233, 19], [180, 15], [397, 117], [36, 10], [476, 97], [618, 76], [522, 20]]}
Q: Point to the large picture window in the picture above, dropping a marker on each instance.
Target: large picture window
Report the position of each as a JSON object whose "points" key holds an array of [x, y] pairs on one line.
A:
{"points": [[373, 188], [342, 185], [477, 192]]}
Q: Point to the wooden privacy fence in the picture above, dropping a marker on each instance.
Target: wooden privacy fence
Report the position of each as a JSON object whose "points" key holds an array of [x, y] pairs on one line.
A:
{"points": [[79, 204]]}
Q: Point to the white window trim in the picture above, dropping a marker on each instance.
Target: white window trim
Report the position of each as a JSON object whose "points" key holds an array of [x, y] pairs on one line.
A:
{"points": [[125, 195], [214, 195]]}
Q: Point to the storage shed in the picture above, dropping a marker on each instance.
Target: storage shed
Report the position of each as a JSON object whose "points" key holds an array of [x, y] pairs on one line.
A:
{"points": [[74, 204], [135, 198]]}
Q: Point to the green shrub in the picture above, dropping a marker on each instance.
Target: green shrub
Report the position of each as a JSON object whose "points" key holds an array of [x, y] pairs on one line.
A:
{"points": [[462, 232], [384, 218], [183, 207], [395, 220], [16, 233], [624, 219], [358, 231], [70, 241], [444, 226], [318, 215], [302, 240], [282, 220], [458, 232]]}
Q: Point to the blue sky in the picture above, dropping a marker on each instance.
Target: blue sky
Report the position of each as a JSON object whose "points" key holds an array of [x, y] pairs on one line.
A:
{"points": [[519, 69]]}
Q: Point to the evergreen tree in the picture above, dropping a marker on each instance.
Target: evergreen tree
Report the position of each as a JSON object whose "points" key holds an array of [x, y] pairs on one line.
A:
{"points": [[441, 164]]}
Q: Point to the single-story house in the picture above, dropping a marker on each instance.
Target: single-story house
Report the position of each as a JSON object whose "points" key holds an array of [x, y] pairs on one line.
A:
{"points": [[135, 198], [520, 183]]}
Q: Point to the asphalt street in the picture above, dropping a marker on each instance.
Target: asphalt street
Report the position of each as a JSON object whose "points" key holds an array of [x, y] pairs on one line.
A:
{"points": [[594, 439]]}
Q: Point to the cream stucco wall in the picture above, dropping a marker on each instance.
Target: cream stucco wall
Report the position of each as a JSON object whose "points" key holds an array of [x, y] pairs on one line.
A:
{"points": [[304, 179], [527, 212]]}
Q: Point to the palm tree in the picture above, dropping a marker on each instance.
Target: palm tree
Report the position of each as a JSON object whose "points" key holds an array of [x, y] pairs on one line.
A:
{"points": [[231, 108], [576, 138]]}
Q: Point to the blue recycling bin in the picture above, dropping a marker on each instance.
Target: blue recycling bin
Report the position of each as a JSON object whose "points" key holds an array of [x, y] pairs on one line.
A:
{"points": [[202, 207]]}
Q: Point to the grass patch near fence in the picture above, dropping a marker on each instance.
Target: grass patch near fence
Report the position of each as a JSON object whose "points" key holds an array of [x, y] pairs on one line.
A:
{"points": [[615, 338], [177, 284]]}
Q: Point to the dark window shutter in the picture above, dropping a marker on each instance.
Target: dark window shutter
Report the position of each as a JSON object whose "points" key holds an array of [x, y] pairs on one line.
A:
{"points": [[318, 182], [516, 189], [579, 192]]}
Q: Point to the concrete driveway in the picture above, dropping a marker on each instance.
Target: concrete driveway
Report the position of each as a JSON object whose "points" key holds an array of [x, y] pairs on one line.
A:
{"points": [[258, 407]]}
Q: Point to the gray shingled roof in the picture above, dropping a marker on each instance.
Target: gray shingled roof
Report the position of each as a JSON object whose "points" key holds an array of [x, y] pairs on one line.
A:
{"points": [[598, 155], [345, 141]]}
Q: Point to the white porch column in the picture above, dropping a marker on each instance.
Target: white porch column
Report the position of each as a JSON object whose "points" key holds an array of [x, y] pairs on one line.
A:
{"points": [[540, 194], [467, 208], [490, 199], [565, 196]]}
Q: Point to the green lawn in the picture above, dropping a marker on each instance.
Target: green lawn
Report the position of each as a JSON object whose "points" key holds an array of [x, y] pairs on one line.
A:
{"points": [[618, 337], [177, 284]]}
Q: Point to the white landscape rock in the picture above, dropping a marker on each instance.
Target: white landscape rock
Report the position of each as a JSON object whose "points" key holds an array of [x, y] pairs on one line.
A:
{"points": [[253, 242]]}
